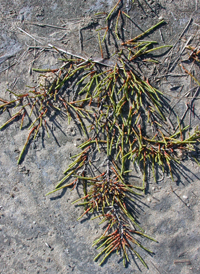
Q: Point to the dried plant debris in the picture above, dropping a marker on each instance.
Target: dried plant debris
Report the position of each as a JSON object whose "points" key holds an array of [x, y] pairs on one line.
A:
{"points": [[113, 104]]}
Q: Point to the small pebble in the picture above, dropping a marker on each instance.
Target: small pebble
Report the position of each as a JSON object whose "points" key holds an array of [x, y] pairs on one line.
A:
{"points": [[66, 250]]}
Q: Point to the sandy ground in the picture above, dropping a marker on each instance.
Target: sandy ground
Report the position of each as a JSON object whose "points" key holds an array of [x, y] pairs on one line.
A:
{"points": [[40, 234]]}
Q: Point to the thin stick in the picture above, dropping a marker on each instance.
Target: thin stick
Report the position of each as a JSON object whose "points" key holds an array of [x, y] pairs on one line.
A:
{"points": [[182, 33], [29, 35], [45, 25], [188, 262], [176, 61], [180, 198], [97, 60]]}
